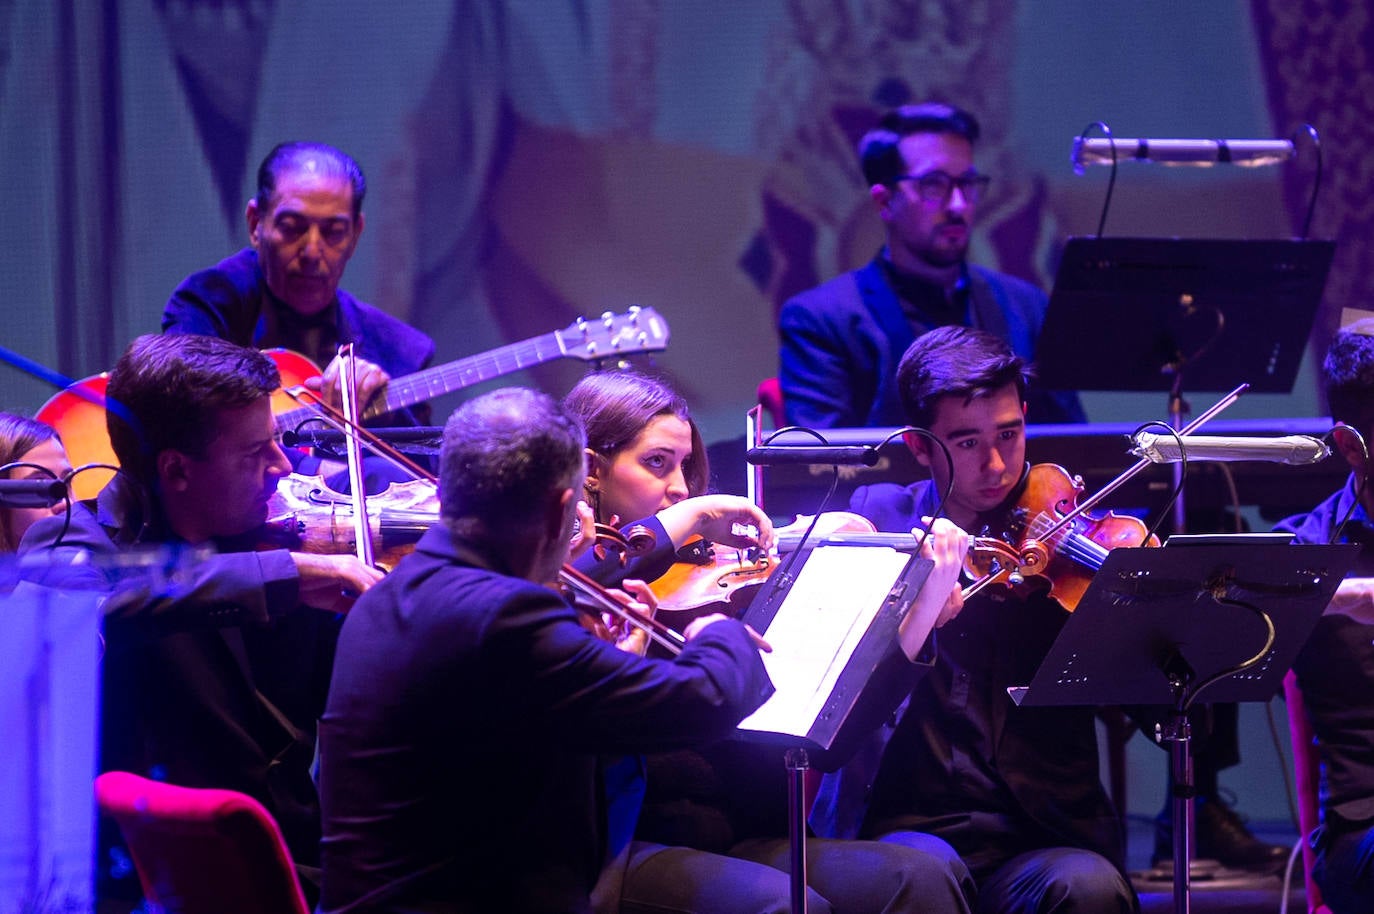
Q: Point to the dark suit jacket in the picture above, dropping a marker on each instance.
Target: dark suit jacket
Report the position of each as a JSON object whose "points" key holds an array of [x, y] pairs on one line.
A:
{"points": [[842, 342], [459, 750], [1335, 669], [229, 299], [213, 678], [963, 762]]}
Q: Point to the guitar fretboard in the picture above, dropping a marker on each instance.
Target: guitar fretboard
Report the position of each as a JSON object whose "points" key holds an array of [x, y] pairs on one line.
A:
{"points": [[443, 379]]}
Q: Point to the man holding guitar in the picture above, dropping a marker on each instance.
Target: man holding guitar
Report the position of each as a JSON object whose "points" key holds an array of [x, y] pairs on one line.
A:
{"points": [[283, 291]]}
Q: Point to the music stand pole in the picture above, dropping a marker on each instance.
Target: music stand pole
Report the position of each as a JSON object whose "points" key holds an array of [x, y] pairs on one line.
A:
{"points": [[797, 765], [1178, 408], [1177, 732]]}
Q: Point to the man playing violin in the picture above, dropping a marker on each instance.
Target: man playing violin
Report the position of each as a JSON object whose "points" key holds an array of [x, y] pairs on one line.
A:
{"points": [[461, 748], [1015, 790], [214, 676], [1336, 667], [283, 291]]}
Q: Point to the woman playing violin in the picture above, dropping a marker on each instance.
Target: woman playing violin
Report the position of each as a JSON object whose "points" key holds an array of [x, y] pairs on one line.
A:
{"points": [[646, 464], [1015, 790], [711, 836]]}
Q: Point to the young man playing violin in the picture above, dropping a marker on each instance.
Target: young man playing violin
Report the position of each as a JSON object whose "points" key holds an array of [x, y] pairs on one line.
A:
{"points": [[460, 751], [712, 834], [1015, 790], [213, 677]]}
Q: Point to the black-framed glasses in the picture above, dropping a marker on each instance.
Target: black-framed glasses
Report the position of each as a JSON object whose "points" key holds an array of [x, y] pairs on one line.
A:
{"points": [[937, 186]]}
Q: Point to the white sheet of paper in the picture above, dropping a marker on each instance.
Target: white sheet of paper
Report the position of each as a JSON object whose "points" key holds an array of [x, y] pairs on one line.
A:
{"points": [[817, 629]]}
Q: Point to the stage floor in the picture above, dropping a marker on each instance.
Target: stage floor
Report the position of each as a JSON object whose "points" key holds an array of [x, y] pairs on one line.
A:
{"points": [[1228, 891]]}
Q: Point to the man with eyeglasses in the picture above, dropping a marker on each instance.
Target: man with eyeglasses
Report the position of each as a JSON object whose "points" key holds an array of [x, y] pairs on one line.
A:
{"points": [[842, 340]]}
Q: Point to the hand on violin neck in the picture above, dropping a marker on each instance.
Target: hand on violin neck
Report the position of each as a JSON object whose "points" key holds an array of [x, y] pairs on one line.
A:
{"points": [[370, 379], [725, 519], [946, 545], [584, 531], [332, 582]]}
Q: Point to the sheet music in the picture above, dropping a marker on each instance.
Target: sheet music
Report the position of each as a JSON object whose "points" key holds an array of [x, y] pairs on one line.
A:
{"points": [[817, 629]]}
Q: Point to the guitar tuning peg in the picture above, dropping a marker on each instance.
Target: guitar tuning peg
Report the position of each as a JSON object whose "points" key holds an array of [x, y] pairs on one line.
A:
{"points": [[608, 319]]}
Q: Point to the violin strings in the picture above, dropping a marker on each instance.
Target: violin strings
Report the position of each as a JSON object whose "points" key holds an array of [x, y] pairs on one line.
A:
{"points": [[1070, 542]]}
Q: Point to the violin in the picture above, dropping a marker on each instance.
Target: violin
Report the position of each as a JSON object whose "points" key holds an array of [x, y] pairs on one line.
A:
{"points": [[596, 604], [1036, 542], [709, 575], [306, 515]]}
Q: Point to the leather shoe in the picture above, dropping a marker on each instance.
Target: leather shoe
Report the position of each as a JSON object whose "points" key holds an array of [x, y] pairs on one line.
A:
{"points": [[1222, 836]]}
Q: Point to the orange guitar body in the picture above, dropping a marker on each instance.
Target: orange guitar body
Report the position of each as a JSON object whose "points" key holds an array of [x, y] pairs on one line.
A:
{"points": [[78, 414]]}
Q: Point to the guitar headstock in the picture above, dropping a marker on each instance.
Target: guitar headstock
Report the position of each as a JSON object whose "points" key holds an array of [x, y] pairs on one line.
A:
{"points": [[611, 336]]}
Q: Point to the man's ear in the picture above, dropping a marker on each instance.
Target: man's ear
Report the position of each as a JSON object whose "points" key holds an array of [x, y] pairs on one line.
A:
{"points": [[1348, 446], [881, 195], [919, 447], [253, 217], [172, 470], [557, 514]]}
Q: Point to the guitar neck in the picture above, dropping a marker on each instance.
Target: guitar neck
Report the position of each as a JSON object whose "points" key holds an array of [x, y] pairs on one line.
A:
{"points": [[447, 378], [610, 336]]}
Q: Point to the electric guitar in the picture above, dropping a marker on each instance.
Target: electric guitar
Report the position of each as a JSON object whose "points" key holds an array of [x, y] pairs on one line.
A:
{"points": [[78, 413]]}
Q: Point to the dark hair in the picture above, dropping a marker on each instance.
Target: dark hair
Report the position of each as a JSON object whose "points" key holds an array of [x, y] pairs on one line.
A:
{"points": [[166, 393], [615, 406], [1348, 373], [18, 436], [505, 454], [955, 362], [293, 156], [879, 156]]}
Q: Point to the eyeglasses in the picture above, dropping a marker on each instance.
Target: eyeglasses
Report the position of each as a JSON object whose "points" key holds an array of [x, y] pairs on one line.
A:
{"points": [[937, 186]]}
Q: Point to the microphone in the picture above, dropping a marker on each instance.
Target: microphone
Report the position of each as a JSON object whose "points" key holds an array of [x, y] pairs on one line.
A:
{"points": [[830, 455], [1295, 450], [1251, 153], [31, 493]]}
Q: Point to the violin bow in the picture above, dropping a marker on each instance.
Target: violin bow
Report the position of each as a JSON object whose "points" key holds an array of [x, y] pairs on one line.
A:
{"points": [[348, 396], [1142, 464]]}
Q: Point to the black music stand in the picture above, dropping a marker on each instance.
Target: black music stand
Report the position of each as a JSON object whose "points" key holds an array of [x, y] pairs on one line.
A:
{"points": [[832, 615], [1151, 313], [1142, 314], [1160, 626]]}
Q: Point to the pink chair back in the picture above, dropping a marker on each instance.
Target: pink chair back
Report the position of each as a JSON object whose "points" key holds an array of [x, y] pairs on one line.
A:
{"points": [[1307, 777], [201, 851], [770, 398]]}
